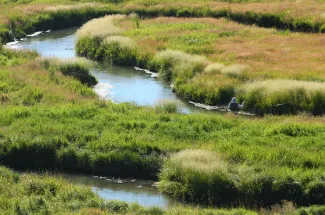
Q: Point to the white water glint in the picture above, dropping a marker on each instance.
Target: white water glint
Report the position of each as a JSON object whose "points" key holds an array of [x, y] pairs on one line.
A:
{"points": [[103, 90], [35, 34]]}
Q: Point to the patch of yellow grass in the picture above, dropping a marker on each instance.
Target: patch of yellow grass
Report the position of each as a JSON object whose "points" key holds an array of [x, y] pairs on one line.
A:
{"points": [[71, 7], [102, 27], [267, 53], [214, 68], [179, 57], [53, 61], [199, 160], [271, 86], [124, 42], [219, 68]]}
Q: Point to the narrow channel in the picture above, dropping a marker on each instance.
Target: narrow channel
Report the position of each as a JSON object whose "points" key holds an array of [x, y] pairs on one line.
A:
{"points": [[142, 192], [117, 83]]}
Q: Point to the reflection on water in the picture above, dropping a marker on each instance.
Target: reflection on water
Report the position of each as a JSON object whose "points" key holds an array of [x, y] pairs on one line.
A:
{"points": [[118, 83], [127, 190], [59, 44]]}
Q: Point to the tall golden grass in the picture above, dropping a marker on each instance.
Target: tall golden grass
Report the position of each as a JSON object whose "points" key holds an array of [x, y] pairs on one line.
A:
{"points": [[200, 160], [102, 27], [272, 86], [180, 58], [124, 42], [57, 8], [233, 70]]}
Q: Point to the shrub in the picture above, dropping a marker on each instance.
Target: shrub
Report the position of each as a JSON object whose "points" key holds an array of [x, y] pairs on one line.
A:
{"points": [[283, 96], [199, 176], [316, 192], [116, 206], [78, 71], [167, 107]]}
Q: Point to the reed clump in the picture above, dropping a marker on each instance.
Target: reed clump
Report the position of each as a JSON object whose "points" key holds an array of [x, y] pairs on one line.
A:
{"points": [[102, 27], [198, 176], [177, 66], [77, 68], [284, 96], [203, 176]]}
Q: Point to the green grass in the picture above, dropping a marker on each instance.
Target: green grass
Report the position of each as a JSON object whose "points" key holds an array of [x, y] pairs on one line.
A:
{"points": [[32, 194], [52, 121], [59, 124]]}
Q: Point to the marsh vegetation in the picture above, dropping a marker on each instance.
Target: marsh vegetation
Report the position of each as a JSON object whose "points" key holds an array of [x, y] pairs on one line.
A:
{"points": [[268, 82], [51, 119]]}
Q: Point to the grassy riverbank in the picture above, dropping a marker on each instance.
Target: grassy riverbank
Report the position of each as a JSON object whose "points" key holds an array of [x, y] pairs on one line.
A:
{"points": [[26, 193], [211, 60], [23, 193], [61, 124], [19, 18]]}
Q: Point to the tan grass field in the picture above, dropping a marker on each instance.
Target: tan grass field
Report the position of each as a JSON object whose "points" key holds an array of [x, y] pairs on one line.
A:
{"points": [[266, 52], [290, 8]]}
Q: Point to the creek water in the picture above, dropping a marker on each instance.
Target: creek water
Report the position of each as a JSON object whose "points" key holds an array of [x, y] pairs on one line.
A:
{"points": [[117, 83], [128, 190]]}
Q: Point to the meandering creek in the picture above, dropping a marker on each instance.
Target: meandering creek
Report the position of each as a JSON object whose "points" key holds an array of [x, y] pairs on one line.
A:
{"points": [[142, 192], [117, 83], [120, 84]]}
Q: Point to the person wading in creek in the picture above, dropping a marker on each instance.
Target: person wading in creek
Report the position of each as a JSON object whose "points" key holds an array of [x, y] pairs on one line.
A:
{"points": [[234, 106]]}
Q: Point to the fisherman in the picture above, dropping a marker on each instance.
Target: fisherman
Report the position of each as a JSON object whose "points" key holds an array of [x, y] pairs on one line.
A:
{"points": [[234, 106]]}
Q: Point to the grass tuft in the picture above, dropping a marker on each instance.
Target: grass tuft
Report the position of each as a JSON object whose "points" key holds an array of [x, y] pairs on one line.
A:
{"points": [[102, 27]]}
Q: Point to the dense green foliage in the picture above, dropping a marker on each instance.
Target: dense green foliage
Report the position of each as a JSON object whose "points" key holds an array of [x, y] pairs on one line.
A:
{"points": [[32, 194], [199, 176]]}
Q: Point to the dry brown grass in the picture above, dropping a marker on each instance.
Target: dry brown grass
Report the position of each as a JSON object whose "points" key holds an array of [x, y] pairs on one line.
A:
{"points": [[72, 7], [291, 8], [267, 52], [272, 86]]}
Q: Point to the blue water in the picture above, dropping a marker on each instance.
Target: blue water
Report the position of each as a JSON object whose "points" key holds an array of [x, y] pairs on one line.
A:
{"points": [[117, 83]]}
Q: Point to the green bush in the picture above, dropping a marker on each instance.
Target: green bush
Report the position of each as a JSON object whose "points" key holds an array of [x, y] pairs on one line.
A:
{"points": [[78, 71], [116, 207]]}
